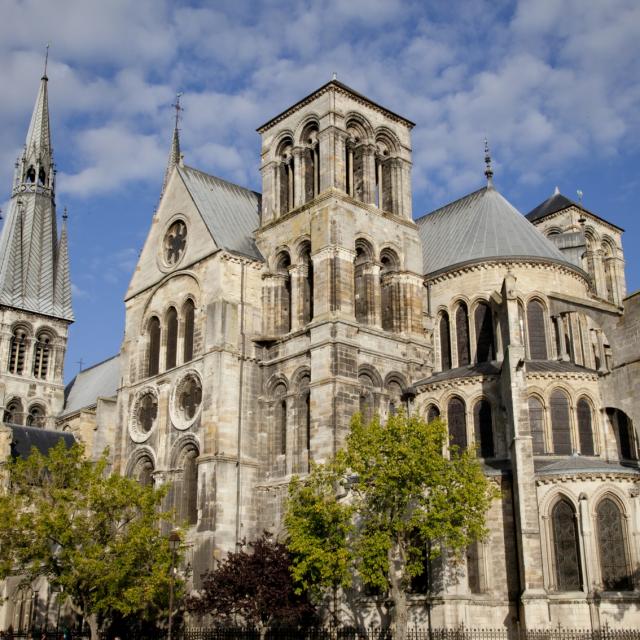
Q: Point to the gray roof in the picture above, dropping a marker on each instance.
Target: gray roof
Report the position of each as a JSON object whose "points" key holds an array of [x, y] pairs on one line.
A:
{"points": [[100, 381], [23, 439], [555, 366], [580, 464], [469, 371], [231, 213], [480, 226], [558, 202]]}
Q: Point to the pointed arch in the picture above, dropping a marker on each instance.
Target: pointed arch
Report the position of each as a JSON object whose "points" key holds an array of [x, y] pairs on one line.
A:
{"points": [[18, 350], [444, 330], [432, 413], [612, 551], [307, 282], [566, 546], [364, 287], [14, 412], [585, 427], [537, 425], [457, 421]]}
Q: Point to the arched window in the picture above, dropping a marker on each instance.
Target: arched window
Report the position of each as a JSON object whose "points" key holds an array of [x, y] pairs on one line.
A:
{"points": [[17, 351], [608, 253], [41, 355], [304, 423], [366, 397], [483, 426], [307, 308], [143, 471], [280, 420], [485, 349], [560, 423], [433, 413], [311, 157], [394, 390], [31, 174], [13, 412], [536, 424], [362, 285], [625, 436], [445, 342], [565, 545], [585, 428], [188, 315], [389, 263], [36, 416], [462, 335], [536, 330], [172, 338], [42, 176], [611, 547], [384, 190], [457, 421], [286, 176], [190, 487], [154, 346], [284, 307]]}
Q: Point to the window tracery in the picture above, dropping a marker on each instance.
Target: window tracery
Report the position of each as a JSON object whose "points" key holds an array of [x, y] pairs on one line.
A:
{"points": [[614, 566], [566, 548], [462, 335], [585, 427], [536, 330], [41, 355], [457, 421], [175, 242], [560, 422]]}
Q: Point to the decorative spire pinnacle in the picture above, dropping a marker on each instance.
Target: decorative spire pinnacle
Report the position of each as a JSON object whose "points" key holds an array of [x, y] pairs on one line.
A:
{"points": [[334, 76], [38, 141], [556, 191], [65, 215], [488, 172], [46, 61], [174, 153]]}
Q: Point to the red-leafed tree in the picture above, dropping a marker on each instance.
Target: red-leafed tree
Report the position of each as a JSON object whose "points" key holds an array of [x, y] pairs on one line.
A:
{"points": [[253, 584]]}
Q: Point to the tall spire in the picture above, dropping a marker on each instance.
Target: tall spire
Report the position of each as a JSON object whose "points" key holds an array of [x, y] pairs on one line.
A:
{"points": [[29, 248], [62, 295], [174, 152], [488, 172]]}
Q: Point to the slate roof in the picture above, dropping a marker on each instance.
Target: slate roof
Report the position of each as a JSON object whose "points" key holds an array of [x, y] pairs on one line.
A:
{"points": [[555, 366], [480, 226], [580, 464], [558, 202], [23, 439], [231, 212], [469, 371], [100, 381]]}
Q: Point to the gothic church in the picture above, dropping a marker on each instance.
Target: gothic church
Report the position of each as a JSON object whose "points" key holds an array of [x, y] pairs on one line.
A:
{"points": [[256, 325]]}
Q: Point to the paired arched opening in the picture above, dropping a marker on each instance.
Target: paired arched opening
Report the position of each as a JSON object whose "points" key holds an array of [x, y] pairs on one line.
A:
{"points": [[18, 351], [42, 355], [14, 412], [36, 416], [286, 175]]}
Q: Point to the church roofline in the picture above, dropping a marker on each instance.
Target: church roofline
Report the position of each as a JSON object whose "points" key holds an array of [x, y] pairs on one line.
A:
{"points": [[343, 88]]}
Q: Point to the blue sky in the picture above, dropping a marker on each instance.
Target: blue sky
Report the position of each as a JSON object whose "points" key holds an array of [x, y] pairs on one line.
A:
{"points": [[553, 84]]}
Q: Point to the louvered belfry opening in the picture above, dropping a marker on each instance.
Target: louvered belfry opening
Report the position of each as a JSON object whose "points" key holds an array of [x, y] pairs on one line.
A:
{"points": [[536, 331], [560, 423], [457, 421], [17, 352], [485, 349], [585, 427], [566, 548], [614, 566], [483, 426], [536, 424], [41, 356], [462, 335]]}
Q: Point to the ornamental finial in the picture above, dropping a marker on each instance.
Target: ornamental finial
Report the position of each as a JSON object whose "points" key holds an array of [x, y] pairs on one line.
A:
{"points": [[488, 172], [46, 60]]}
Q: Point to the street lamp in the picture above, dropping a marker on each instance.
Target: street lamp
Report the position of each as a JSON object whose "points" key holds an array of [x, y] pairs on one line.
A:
{"points": [[174, 543]]}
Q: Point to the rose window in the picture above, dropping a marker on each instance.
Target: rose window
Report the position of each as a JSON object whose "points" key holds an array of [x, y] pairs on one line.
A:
{"points": [[147, 412], [186, 401], [190, 398]]}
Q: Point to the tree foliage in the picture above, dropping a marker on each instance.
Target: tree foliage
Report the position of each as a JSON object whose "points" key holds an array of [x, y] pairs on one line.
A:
{"points": [[94, 535], [406, 502], [255, 585]]}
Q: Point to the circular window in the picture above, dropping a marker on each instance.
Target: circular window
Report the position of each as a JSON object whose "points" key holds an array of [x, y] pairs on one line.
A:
{"points": [[186, 401], [175, 241], [144, 414]]}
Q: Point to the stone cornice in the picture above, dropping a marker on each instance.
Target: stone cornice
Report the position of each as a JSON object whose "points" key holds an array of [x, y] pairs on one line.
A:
{"points": [[455, 383], [572, 476]]}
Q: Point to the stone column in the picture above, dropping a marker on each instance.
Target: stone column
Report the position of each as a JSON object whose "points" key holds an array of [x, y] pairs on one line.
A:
{"points": [[298, 177], [297, 274], [331, 163]]}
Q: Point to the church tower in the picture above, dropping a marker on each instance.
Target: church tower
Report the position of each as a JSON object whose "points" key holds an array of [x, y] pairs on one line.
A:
{"points": [[35, 287], [342, 292]]}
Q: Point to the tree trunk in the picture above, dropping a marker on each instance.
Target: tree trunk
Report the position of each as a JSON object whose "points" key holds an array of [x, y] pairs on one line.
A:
{"points": [[92, 621], [400, 613], [262, 630]]}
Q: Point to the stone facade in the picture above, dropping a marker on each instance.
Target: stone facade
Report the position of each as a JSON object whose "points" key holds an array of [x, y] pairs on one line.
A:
{"points": [[257, 325]]}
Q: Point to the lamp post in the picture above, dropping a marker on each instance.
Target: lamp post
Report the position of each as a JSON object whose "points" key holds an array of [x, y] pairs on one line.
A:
{"points": [[174, 543]]}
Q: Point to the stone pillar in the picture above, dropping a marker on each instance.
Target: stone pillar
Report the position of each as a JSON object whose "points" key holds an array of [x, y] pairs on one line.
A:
{"points": [[298, 275], [598, 273], [602, 366], [561, 345], [331, 163], [298, 177]]}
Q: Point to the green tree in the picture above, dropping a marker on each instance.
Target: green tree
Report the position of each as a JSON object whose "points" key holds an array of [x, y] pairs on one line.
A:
{"points": [[254, 583], [318, 527], [410, 504], [92, 534]]}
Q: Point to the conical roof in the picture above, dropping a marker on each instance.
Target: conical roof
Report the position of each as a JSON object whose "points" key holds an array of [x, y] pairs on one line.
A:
{"points": [[481, 226]]}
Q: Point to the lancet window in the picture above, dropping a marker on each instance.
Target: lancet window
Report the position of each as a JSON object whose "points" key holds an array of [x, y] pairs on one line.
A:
{"points": [[311, 156], [280, 421], [536, 424], [585, 427], [188, 319], [188, 507], [364, 286], [367, 399], [462, 335], [536, 330], [566, 547], [445, 342], [433, 413], [284, 292], [614, 566], [560, 422], [388, 291], [286, 176], [153, 364], [457, 421], [172, 338], [485, 346], [483, 426], [307, 283]]}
